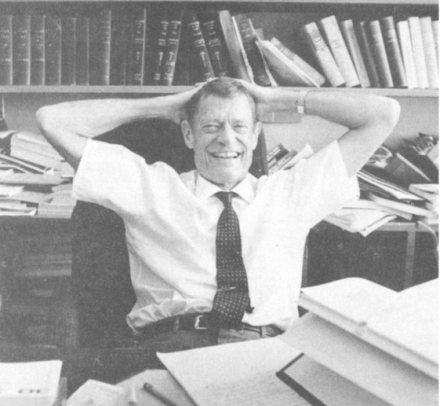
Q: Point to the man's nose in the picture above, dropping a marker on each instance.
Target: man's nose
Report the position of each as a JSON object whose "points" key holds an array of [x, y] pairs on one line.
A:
{"points": [[226, 135]]}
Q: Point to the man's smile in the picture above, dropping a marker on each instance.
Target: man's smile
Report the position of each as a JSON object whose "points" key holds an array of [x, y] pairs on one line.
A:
{"points": [[225, 155]]}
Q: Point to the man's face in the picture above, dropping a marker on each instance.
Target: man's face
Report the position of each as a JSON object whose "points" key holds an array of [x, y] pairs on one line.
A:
{"points": [[223, 135]]}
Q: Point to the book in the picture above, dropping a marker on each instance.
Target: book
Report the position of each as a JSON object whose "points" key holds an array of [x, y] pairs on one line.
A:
{"points": [[216, 45], [172, 47], [136, 57], [315, 78], [436, 38], [233, 46], [393, 51], [322, 54], [100, 48], [407, 206], [53, 50], [400, 324], [30, 383], [5, 49], [118, 47], [37, 158], [160, 49], [407, 54], [7, 161], [380, 55], [282, 162], [243, 53], [276, 153], [349, 34], [68, 51], [21, 49], [404, 172], [418, 52], [200, 50], [285, 72], [336, 43], [261, 75], [38, 52], [430, 52], [366, 46], [82, 52]]}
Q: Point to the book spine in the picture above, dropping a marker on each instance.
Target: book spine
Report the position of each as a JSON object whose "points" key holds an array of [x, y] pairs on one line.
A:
{"points": [[436, 39], [367, 51], [255, 59], [393, 51], [160, 51], [21, 49], [322, 54], [430, 54], [53, 50], [347, 29], [118, 49], [101, 48], [137, 44], [68, 51], [380, 55], [199, 46], [82, 51], [5, 50], [418, 52], [339, 49], [38, 52], [216, 48], [231, 40], [310, 71], [172, 48], [407, 54]]}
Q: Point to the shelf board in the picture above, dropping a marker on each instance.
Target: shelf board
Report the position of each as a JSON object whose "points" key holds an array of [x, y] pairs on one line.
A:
{"points": [[157, 90], [351, 2]]}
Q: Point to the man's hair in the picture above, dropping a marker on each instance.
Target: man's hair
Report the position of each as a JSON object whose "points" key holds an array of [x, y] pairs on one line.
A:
{"points": [[224, 88]]}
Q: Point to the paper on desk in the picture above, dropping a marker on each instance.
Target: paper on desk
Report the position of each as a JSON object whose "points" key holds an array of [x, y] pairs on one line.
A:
{"points": [[162, 381], [235, 374], [95, 393]]}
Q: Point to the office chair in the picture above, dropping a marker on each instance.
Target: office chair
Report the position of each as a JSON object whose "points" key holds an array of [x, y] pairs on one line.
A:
{"points": [[100, 267]]}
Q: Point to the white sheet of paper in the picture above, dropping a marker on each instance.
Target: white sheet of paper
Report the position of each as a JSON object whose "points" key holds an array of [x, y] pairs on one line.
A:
{"points": [[235, 374], [95, 393]]}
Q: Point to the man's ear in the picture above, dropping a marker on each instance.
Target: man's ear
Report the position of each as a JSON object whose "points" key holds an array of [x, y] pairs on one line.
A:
{"points": [[187, 134], [257, 130]]}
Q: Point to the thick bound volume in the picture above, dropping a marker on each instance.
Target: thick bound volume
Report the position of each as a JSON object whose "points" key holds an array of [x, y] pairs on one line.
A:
{"points": [[82, 51], [215, 44], [53, 50], [436, 38], [430, 52], [118, 47], [255, 58], [418, 51], [233, 46], [347, 29], [160, 49], [200, 50], [367, 51], [38, 52], [393, 52], [68, 51], [137, 48], [407, 53], [100, 48], [172, 47], [5, 50], [21, 49], [380, 55], [322, 54], [339, 50]]}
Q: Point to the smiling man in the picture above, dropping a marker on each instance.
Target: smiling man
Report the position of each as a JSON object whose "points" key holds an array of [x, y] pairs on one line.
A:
{"points": [[224, 249]]}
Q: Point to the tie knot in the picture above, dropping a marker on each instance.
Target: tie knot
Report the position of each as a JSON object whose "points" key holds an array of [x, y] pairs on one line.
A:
{"points": [[226, 198]]}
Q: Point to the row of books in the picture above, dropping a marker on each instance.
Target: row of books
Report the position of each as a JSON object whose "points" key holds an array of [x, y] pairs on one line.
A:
{"points": [[34, 178], [144, 46]]}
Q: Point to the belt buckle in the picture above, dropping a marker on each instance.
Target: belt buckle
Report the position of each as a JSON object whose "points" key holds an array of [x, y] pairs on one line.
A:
{"points": [[197, 325]]}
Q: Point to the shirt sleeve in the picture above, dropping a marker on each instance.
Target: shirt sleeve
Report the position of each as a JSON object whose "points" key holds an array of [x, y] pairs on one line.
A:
{"points": [[321, 185], [114, 177]]}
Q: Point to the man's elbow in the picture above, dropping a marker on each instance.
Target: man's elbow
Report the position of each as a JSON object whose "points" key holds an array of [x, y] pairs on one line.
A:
{"points": [[389, 113], [45, 117]]}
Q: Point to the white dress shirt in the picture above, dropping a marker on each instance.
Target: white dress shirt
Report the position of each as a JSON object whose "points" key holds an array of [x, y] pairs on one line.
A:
{"points": [[171, 223]]}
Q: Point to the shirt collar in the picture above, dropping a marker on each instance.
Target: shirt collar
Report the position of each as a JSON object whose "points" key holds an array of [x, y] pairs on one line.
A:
{"points": [[245, 189]]}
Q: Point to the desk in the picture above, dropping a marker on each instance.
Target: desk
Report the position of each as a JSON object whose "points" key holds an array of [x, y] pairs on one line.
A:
{"points": [[81, 364]]}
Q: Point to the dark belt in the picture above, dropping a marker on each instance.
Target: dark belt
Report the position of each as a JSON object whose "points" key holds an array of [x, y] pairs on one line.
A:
{"points": [[201, 322]]}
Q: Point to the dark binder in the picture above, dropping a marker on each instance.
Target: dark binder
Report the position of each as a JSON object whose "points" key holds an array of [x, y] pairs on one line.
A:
{"points": [[53, 50], [5, 50], [68, 51], [82, 51], [100, 48], [21, 49], [38, 52]]}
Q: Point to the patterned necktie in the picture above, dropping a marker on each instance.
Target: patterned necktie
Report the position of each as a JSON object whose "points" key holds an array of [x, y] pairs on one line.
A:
{"points": [[232, 297]]}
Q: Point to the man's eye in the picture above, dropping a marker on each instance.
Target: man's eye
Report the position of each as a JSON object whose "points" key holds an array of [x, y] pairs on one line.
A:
{"points": [[241, 127], [210, 128]]}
